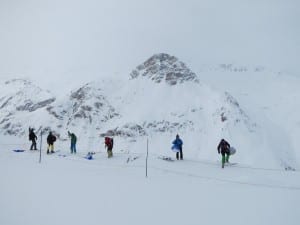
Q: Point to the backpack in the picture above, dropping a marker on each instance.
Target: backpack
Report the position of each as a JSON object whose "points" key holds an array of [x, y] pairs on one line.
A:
{"points": [[109, 142], [73, 138], [31, 134]]}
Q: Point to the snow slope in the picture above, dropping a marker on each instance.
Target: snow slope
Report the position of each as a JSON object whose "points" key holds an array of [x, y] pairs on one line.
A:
{"points": [[73, 190]]}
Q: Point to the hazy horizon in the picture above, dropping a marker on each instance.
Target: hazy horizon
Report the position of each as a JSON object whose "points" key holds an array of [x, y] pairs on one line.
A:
{"points": [[88, 39]]}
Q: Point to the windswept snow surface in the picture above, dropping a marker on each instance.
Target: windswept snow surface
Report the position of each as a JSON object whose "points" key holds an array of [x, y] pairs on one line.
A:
{"points": [[68, 189]]}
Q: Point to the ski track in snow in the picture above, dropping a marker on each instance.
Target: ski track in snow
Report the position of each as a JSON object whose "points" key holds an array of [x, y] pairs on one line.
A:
{"points": [[128, 160]]}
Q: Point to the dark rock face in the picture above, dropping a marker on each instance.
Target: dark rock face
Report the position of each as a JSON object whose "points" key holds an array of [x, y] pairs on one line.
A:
{"points": [[30, 106], [128, 130], [89, 102], [163, 67], [24, 96]]}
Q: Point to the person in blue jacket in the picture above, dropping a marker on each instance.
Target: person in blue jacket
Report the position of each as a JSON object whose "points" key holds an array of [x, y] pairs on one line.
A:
{"points": [[178, 145]]}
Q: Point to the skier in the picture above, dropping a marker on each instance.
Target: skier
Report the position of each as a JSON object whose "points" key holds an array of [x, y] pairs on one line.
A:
{"points": [[73, 142], [224, 149], [50, 140], [109, 143], [177, 144], [32, 138]]}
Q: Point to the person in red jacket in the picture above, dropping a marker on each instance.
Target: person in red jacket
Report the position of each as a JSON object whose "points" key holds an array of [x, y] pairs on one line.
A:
{"points": [[109, 143]]}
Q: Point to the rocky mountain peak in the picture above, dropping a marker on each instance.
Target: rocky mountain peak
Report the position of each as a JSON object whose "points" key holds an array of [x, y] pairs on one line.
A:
{"points": [[164, 67]]}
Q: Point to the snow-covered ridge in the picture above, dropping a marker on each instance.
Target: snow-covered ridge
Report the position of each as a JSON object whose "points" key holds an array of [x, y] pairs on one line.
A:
{"points": [[234, 68], [18, 94], [19, 100]]}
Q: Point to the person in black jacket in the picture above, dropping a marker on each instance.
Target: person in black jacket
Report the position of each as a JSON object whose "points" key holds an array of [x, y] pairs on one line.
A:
{"points": [[32, 138], [50, 141], [224, 149]]}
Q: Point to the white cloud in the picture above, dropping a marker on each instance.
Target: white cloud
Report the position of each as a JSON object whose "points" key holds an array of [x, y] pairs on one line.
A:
{"points": [[95, 38]]}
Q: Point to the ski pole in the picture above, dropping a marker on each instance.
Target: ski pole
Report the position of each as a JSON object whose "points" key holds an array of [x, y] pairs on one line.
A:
{"points": [[41, 146], [147, 160]]}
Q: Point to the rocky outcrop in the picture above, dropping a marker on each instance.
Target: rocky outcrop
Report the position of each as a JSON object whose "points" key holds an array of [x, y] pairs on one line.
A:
{"points": [[164, 68]]}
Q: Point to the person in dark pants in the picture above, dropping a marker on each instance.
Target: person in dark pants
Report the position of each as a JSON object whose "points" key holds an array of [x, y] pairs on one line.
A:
{"points": [[50, 141], [73, 142], [32, 138], [224, 149], [177, 143]]}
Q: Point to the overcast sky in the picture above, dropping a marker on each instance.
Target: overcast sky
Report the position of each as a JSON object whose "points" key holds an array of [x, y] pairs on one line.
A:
{"points": [[92, 38]]}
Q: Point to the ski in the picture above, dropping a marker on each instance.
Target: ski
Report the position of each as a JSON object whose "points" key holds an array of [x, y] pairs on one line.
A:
{"points": [[131, 159], [230, 164], [19, 150], [166, 158]]}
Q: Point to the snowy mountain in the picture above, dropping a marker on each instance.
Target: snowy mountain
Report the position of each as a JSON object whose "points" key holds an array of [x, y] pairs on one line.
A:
{"points": [[162, 98], [165, 91], [86, 106]]}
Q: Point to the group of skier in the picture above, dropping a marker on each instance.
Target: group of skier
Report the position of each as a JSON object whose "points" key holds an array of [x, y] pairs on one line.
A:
{"points": [[51, 138], [223, 147]]}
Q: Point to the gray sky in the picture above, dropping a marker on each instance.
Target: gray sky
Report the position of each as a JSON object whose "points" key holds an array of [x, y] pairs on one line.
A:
{"points": [[93, 38]]}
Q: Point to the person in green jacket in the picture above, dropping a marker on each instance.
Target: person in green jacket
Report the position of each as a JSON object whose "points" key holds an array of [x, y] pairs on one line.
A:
{"points": [[73, 142]]}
